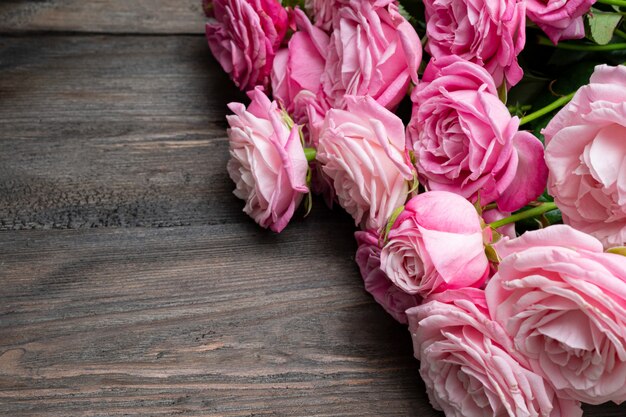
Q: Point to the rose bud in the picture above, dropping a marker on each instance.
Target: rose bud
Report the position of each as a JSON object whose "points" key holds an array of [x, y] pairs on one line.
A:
{"points": [[435, 244]]}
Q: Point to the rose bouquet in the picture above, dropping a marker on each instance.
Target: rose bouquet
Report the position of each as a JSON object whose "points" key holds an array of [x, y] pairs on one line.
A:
{"points": [[480, 148]]}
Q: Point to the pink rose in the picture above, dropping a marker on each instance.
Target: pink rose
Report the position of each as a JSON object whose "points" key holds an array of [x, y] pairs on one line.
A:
{"points": [[267, 161], [323, 11], [467, 364], [488, 33], [309, 111], [436, 244], [362, 150], [585, 154], [559, 19], [373, 51], [563, 301], [244, 37], [391, 298], [466, 142], [299, 67]]}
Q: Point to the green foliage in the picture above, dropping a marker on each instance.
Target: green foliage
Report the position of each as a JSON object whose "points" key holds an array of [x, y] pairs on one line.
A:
{"points": [[293, 3], [545, 197], [404, 12], [600, 26], [554, 217], [415, 12]]}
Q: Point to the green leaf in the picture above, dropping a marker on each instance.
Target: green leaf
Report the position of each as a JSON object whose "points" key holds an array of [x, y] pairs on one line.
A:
{"points": [[492, 255], [503, 92], [620, 250], [545, 197], [404, 13], [601, 25], [310, 154], [391, 221], [293, 3], [415, 10], [554, 217]]}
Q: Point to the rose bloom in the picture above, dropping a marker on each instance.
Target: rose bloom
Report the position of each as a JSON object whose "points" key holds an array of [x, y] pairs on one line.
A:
{"points": [[486, 32], [586, 154], [391, 298], [267, 161], [435, 244], [373, 51], [323, 11], [244, 37], [309, 111], [299, 67], [466, 142], [563, 301], [559, 19], [362, 151], [467, 362]]}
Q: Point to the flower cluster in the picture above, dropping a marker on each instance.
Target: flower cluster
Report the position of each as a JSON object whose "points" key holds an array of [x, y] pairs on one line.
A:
{"points": [[501, 248]]}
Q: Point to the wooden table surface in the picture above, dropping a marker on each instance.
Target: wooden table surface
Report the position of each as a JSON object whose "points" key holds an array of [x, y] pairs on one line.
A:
{"points": [[130, 281]]}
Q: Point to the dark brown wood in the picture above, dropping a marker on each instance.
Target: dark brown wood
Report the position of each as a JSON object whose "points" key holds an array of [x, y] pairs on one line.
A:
{"points": [[102, 16], [222, 320], [112, 131], [225, 320]]}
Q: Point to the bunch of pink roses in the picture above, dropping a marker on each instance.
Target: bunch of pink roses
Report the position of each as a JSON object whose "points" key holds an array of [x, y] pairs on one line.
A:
{"points": [[502, 252]]}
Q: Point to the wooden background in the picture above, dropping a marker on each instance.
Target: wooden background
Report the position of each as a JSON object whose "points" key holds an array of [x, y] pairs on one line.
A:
{"points": [[130, 281]]}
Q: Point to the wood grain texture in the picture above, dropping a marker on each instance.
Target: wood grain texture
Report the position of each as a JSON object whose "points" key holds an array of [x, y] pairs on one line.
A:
{"points": [[225, 320], [221, 320], [102, 16], [112, 131]]}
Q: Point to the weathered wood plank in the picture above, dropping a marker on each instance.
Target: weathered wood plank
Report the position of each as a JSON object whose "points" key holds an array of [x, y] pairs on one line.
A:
{"points": [[112, 131], [225, 320], [102, 16]]}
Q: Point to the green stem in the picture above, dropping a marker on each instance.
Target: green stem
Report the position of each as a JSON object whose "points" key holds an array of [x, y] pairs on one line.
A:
{"points": [[582, 47], [533, 212], [545, 110], [620, 3], [310, 154], [620, 33]]}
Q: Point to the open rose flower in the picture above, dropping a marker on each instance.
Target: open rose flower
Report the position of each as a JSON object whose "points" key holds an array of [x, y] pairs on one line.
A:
{"points": [[466, 362], [267, 162], [323, 11], [309, 111], [559, 19], [435, 244], [586, 157], [486, 32], [373, 51], [466, 142], [244, 37], [563, 301], [362, 151], [391, 298], [300, 66]]}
